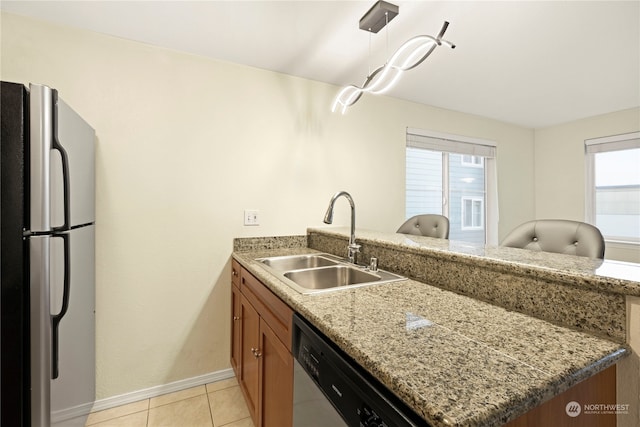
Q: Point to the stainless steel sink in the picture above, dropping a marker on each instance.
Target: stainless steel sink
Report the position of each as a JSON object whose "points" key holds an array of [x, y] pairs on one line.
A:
{"points": [[316, 273], [330, 277], [297, 262]]}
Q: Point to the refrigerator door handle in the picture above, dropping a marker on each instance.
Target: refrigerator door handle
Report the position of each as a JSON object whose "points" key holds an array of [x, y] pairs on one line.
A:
{"points": [[65, 163], [56, 318]]}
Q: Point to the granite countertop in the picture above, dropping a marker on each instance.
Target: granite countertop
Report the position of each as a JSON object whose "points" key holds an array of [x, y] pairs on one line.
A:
{"points": [[608, 275], [453, 359]]}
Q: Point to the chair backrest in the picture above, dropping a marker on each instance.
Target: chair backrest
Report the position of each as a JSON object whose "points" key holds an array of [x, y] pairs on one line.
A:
{"points": [[430, 225], [559, 236]]}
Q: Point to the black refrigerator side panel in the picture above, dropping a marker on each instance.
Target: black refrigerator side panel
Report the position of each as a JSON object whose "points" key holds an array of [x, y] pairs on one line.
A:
{"points": [[14, 359]]}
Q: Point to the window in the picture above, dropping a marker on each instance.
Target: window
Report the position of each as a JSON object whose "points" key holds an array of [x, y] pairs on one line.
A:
{"points": [[472, 214], [453, 176], [472, 161], [613, 186]]}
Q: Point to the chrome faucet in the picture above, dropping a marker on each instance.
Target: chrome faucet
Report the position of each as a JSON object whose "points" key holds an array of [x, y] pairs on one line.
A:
{"points": [[328, 219]]}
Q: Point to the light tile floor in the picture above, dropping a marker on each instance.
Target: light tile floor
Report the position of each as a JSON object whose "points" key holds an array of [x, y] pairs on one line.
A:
{"points": [[214, 405]]}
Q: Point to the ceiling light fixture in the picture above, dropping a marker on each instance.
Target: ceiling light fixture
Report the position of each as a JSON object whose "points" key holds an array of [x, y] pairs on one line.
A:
{"points": [[411, 54], [378, 16]]}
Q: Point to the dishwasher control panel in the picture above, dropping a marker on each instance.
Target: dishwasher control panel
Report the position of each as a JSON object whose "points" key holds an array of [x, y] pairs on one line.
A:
{"points": [[368, 418], [308, 358]]}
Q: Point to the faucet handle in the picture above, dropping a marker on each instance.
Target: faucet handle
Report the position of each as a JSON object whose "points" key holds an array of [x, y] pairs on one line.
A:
{"points": [[353, 249]]}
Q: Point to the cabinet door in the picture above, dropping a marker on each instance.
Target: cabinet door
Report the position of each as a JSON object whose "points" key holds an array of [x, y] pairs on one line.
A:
{"points": [[276, 380], [250, 343], [236, 329], [235, 272]]}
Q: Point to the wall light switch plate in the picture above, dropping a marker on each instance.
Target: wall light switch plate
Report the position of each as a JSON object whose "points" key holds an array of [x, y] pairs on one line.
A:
{"points": [[251, 217]]}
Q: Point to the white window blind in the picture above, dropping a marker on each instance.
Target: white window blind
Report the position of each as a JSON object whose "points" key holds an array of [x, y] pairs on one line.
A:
{"points": [[450, 143], [613, 143]]}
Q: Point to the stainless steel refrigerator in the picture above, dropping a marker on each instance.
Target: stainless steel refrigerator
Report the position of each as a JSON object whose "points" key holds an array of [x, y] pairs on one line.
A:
{"points": [[47, 178]]}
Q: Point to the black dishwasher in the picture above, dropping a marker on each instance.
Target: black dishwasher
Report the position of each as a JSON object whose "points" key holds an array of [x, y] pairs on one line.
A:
{"points": [[358, 398]]}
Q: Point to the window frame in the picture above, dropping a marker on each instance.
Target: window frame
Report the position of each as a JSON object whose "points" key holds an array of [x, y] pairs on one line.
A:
{"points": [[592, 147], [463, 199]]}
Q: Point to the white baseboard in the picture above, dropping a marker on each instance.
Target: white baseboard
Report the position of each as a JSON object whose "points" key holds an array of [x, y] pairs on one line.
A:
{"points": [[74, 416], [134, 396]]}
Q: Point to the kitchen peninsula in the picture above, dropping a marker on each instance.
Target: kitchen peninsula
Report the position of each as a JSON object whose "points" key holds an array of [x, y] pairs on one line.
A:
{"points": [[478, 335]]}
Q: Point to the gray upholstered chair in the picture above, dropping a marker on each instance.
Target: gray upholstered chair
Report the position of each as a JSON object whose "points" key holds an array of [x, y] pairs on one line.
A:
{"points": [[559, 236], [430, 225]]}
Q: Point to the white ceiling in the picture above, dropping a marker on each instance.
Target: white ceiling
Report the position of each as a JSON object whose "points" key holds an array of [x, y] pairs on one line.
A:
{"points": [[531, 63]]}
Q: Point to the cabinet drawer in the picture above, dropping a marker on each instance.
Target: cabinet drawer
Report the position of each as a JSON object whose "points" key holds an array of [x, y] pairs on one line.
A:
{"points": [[272, 309], [235, 272]]}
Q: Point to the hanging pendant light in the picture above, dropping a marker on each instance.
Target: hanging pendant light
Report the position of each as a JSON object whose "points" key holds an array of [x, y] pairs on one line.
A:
{"points": [[411, 54]]}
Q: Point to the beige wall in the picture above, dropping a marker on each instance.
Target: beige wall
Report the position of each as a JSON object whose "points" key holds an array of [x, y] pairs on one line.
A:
{"points": [[560, 169], [185, 144]]}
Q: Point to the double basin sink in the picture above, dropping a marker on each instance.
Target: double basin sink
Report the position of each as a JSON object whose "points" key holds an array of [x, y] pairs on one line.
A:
{"points": [[318, 273]]}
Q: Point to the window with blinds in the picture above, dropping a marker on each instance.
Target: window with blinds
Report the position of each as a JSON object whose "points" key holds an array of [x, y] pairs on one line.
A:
{"points": [[613, 186], [453, 176]]}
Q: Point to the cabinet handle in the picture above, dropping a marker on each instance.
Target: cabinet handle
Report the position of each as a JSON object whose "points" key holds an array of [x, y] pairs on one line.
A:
{"points": [[236, 318], [234, 273], [256, 352]]}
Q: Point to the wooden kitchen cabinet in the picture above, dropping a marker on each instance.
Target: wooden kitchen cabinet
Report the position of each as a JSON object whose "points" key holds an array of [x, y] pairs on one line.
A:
{"points": [[276, 380], [598, 389], [235, 318], [261, 351], [249, 359]]}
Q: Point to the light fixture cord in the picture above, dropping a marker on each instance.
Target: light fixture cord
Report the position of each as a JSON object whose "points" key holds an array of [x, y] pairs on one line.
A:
{"points": [[386, 19], [369, 73]]}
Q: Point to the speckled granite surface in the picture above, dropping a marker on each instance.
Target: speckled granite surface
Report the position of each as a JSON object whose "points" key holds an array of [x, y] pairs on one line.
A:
{"points": [[262, 243], [577, 292], [455, 360], [612, 276]]}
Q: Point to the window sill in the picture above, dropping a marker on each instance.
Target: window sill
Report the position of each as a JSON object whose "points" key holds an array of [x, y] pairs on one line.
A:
{"points": [[623, 244]]}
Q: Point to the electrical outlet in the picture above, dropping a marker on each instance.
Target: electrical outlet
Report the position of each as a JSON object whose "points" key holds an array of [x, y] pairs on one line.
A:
{"points": [[251, 217]]}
